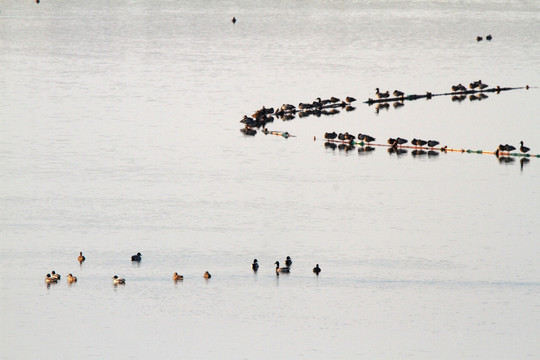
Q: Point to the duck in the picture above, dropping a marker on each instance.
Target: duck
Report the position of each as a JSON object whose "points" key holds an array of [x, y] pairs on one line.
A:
{"points": [[401, 141], [71, 278], [509, 147], [137, 257], [481, 85], [522, 148], [255, 265], [177, 277], [207, 275], [288, 262], [349, 99], [418, 142], [233, 20], [398, 93], [117, 280], [381, 95], [281, 269], [81, 257], [50, 280], [432, 143], [55, 275], [489, 37], [317, 269], [368, 139], [478, 38], [330, 136]]}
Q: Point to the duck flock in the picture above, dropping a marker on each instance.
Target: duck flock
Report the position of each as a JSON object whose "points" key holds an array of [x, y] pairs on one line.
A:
{"points": [[345, 141], [53, 277]]}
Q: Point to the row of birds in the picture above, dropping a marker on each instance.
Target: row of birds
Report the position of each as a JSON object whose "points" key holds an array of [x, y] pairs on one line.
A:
{"points": [[53, 277], [369, 139], [488, 38], [318, 107], [507, 148]]}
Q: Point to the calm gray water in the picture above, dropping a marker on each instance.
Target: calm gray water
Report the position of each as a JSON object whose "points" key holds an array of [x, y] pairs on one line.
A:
{"points": [[119, 133]]}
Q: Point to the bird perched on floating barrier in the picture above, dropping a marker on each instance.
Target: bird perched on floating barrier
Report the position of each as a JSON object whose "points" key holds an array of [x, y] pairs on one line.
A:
{"points": [[522, 148], [381, 95], [349, 99], [398, 93], [432, 143], [330, 136]]}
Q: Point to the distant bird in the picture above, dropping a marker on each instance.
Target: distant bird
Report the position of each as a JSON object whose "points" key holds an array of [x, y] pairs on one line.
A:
{"points": [[117, 280], [81, 257], [509, 147], [522, 148], [288, 261], [330, 136], [50, 280], [137, 257], [71, 278], [401, 141], [55, 275], [233, 20], [418, 142], [432, 143], [177, 277], [368, 139], [489, 37], [207, 275], [381, 95], [350, 99], [398, 93], [255, 265], [317, 269], [281, 269], [481, 85], [474, 84], [478, 38]]}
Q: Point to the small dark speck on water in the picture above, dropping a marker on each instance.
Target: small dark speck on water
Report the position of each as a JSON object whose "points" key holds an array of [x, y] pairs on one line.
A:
{"points": [[233, 19]]}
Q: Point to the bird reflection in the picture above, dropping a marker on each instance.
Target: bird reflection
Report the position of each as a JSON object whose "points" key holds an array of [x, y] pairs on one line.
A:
{"points": [[329, 145], [418, 153], [397, 151], [523, 162]]}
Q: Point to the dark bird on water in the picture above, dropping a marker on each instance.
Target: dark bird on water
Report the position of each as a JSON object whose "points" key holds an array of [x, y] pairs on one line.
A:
{"points": [[288, 261], [317, 269], [233, 20], [489, 37], [137, 257], [255, 265]]}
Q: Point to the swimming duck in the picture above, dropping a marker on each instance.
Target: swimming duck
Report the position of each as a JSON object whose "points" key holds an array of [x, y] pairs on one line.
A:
{"points": [[177, 277], [50, 280], [317, 269], [281, 269], [288, 261], [81, 257], [71, 278], [489, 37], [233, 20], [255, 265], [137, 257], [55, 275], [522, 148], [207, 275], [381, 95], [478, 38], [117, 280]]}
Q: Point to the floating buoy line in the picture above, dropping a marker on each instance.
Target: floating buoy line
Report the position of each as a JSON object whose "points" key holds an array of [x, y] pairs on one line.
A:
{"points": [[332, 106]]}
